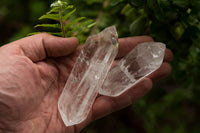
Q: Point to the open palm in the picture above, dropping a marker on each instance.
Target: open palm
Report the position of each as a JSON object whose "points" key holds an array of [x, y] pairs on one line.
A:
{"points": [[33, 72]]}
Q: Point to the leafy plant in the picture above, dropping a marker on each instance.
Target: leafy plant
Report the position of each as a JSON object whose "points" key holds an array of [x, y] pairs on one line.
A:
{"points": [[63, 22]]}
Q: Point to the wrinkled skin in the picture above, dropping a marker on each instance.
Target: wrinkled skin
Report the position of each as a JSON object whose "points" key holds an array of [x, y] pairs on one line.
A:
{"points": [[33, 72]]}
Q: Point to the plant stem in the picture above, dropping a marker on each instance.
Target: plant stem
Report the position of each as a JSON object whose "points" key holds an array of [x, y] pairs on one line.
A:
{"points": [[61, 22]]}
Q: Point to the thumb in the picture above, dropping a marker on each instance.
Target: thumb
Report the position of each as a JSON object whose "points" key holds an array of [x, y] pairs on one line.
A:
{"points": [[43, 45]]}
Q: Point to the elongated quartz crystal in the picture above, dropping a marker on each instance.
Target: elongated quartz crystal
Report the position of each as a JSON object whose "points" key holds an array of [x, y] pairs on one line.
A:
{"points": [[87, 76], [144, 59]]}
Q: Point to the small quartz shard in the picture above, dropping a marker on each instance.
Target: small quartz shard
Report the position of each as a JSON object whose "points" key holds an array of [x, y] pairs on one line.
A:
{"points": [[87, 76], [144, 59]]}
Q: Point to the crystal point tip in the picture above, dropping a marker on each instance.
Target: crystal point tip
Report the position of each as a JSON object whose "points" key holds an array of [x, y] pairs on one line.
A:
{"points": [[144, 59]]}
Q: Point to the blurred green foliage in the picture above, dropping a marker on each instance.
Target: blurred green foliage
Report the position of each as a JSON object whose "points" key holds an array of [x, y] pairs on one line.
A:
{"points": [[173, 104]]}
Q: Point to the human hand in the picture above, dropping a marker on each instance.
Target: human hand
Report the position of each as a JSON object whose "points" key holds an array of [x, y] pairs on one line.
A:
{"points": [[33, 72]]}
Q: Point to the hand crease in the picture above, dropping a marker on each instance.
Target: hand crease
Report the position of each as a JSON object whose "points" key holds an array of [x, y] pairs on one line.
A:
{"points": [[48, 123], [44, 48]]}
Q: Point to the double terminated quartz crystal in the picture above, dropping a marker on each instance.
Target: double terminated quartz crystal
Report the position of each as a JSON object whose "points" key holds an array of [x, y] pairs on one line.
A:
{"points": [[87, 76], [91, 69], [144, 59]]}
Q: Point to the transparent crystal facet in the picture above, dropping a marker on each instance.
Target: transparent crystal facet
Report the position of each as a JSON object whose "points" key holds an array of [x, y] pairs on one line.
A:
{"points": [[144, 59], [87, 76]]}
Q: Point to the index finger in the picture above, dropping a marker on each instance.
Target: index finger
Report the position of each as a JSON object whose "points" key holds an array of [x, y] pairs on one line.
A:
{"points": [[127, 44]]}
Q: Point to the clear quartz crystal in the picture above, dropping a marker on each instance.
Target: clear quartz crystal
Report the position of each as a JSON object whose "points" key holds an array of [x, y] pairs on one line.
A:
{"points": [[87, 76], [144, 59]]}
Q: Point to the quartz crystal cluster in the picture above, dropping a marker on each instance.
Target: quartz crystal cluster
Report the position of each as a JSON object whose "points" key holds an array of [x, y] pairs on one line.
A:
{"points": [[144, 59], [92, 75], [87, 76]]}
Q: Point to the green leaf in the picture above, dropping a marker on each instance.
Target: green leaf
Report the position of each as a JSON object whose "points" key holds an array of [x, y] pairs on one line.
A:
{"points": [[56, 33], [74, 22], [52, 33], [139, 26], [177, 30], [32, 33], [125, 9], [81, 25], [68, 15], [50, 16], [68, 7], [137, 3], [48, 26], [55, 9], [114, 2], [84, 28]]}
